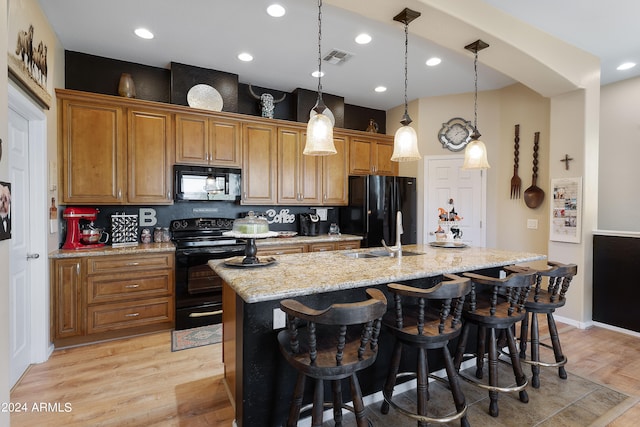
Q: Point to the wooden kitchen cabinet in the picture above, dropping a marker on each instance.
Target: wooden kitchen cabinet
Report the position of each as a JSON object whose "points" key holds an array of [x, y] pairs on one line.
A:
{"points": [[111, 153], [66, 298], [92, 150], [335, 173], [113, 296], [259, 164], [333, 246], [149, 157], [202, 140], [282, 249], [299, 176], [372, 155]]}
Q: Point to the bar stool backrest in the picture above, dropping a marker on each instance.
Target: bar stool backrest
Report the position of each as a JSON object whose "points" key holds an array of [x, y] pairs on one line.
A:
{"points": [[364, 317], [512, 290]]}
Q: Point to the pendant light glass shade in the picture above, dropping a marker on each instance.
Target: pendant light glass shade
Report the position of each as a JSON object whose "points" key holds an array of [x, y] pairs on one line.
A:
{"points": [[319, 136], [405, 142], [475, 156], [405, 145], [320, 127]]}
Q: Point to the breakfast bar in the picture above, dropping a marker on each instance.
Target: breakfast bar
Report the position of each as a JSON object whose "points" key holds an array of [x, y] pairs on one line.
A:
{"points": [[259, 381]]}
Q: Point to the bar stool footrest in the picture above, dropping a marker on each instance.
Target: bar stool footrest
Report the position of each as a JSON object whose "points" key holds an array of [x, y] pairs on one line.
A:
{"points": [[423, 418]]}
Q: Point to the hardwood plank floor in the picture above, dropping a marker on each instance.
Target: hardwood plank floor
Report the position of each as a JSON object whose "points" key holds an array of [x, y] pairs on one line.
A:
{"points": [[140, 382]]}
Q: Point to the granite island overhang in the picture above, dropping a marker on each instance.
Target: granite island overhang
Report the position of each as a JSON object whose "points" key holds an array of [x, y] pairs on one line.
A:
{"points": [[259, 381]]}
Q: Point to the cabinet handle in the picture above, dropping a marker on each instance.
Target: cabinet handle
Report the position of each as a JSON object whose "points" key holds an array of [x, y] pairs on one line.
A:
{"points": [[132, 286], [324, 197], [119, 193], [245, 194], [169, 195], [132, 315], [78, 268], [133, 263]]}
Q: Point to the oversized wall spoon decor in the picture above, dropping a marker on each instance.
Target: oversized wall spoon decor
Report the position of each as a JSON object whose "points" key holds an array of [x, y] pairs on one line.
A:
{"points": [[534, 195]]}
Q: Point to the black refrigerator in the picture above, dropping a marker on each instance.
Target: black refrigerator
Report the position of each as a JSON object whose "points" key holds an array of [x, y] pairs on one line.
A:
{"points": [[373, 203]]}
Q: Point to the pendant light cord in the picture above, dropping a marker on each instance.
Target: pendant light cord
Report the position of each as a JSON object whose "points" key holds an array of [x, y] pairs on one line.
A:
{"points": [[319, 50], [475, 98], [406, 54]]}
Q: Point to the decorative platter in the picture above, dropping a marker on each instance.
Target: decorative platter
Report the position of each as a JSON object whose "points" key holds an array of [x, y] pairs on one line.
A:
{"points": [[237, 262], [287, 233], [448, 244], [204, 97]]}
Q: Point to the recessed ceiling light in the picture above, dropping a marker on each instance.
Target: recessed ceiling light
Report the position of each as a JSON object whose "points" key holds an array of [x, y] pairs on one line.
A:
{"points": [[363, 38], [143, 33], [380, 89], [626, 66], [431, 62], [276, 10], [317, 74], [246, 57]]}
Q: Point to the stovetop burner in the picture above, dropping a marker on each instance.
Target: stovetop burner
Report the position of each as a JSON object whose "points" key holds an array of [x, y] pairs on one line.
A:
{"points": [[202, 232]]}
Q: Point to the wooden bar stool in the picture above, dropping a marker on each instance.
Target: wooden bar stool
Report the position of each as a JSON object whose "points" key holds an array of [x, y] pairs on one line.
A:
{"points": [[545, 301], [494, 306], [331, 344], [426, 319]]}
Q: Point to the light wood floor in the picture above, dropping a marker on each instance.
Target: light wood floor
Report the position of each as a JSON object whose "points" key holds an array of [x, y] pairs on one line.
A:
{"points": [[140, 382]]}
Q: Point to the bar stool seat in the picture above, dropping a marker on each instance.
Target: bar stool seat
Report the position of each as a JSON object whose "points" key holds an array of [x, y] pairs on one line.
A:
{"points": [[330, 345], [545, 301], [494, 306], [426, 319]]}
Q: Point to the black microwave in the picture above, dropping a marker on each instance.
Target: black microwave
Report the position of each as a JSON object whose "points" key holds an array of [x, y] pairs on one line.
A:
{"points": [[202, 183]]}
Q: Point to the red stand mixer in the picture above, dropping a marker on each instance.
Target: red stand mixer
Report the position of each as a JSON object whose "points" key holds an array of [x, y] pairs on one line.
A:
{"points": [[78, 238]]}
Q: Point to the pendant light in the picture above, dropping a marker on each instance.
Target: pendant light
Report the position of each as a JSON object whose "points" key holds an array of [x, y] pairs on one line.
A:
{"points": [[320, 127], [475, 154], [405, 142]]}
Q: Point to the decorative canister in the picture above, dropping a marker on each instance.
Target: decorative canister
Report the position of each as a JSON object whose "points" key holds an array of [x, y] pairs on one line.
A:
{"points": [[166, 235], [157, 234], [145, 235]]}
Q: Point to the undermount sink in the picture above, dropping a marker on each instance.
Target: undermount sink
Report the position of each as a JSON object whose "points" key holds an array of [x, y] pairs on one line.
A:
{"points": [[378, 254], [360, 255]]}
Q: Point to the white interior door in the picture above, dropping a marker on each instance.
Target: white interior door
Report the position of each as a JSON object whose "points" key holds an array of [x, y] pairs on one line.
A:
{"points": [[447, 180], [19, 286]]}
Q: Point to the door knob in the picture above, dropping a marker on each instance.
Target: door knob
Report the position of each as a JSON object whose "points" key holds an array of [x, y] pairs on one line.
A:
{"points": [[33, 256]]}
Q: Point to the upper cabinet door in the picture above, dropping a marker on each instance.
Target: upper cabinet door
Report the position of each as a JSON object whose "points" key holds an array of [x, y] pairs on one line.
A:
{"points": [[299, 176], [371, 155], [91, 153], [201, 140], [225, 147], [192, 139], [259, 164], [383, 163], [360, 154], [335, 170], [150, 157]]}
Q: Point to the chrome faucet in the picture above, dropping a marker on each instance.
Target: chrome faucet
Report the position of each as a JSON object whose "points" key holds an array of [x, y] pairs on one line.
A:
{"points": [[396, 250]]}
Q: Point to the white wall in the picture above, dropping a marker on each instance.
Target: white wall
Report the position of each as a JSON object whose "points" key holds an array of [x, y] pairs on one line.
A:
{"points": [[619, 204]]}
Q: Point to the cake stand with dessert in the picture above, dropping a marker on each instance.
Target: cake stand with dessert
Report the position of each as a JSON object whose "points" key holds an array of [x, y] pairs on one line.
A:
{"points": [[250, 228]]}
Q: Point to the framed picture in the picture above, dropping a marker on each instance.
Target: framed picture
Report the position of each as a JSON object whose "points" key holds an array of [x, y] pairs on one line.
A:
{"points": [[5, 210], [566, 210], [28, 62]]}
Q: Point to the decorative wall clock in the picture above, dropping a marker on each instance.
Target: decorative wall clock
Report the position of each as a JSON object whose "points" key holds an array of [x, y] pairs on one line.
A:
{"points": [[455, 134]]}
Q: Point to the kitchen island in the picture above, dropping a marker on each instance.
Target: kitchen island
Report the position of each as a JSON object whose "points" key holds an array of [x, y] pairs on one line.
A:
{"points": [[259, 381]]}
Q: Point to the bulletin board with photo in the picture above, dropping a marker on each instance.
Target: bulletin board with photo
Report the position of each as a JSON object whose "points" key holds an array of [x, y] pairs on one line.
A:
{"points": [[566, 210]]}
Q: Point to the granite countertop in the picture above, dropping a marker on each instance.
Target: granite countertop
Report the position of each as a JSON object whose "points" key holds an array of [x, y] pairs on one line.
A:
{"points": [[317, 272], [303, 240], [110, 250]]}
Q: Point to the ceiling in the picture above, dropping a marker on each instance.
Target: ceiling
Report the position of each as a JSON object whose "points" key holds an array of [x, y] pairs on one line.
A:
{"points": [[210, 34]]}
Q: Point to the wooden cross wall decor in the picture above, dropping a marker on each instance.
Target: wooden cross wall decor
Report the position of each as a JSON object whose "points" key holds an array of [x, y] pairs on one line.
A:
{"points": [[566, 161]]}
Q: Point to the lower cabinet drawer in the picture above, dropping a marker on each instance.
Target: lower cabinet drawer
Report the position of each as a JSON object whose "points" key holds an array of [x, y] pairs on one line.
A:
{"points": [[108, 317], [118, 287]]}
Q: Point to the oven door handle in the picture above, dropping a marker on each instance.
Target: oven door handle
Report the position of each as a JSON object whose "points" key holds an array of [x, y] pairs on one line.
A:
{"points": [[205, 314], [208, 251]]}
